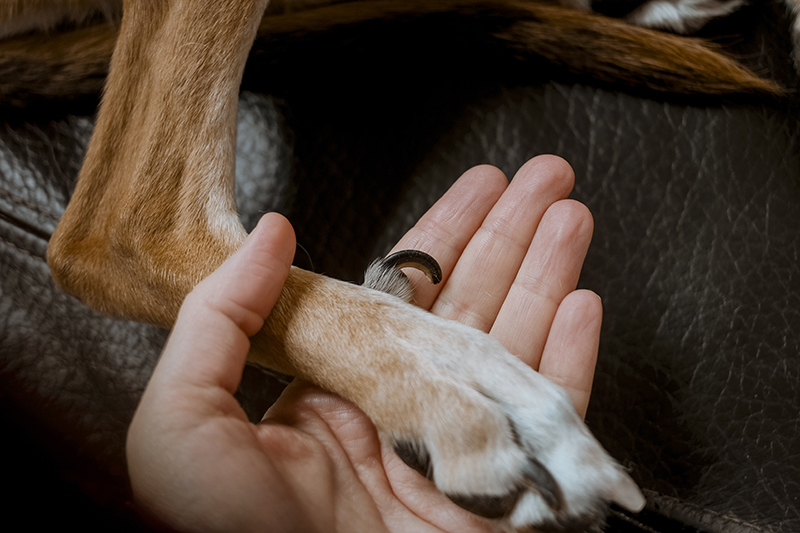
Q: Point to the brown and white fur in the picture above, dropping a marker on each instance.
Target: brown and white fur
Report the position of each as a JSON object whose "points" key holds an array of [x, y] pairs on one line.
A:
{"points": [[153, 213]]}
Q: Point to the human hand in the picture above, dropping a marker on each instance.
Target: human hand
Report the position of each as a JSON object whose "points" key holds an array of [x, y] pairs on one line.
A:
{"points": [[510, 255]]}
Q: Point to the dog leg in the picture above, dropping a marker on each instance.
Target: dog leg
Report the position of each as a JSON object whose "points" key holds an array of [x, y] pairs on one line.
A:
{"points": [[153, 210], [153, 213]]}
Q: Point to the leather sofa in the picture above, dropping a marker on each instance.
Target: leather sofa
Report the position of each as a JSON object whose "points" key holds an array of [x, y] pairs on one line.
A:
{"points": [[695, 255]]}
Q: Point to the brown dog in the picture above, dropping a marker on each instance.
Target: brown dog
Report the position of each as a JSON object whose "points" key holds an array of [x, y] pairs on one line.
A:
{"points": [[153, 213]]}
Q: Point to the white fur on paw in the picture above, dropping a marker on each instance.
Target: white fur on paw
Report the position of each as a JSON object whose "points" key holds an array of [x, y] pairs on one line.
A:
{"points": [[500, 439]]}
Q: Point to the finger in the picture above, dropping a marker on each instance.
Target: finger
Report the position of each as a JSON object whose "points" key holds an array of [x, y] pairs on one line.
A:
{"points": [[549, 272], [421, 496], [570, 354], [323, 427], [486, 270], [444, 231], [403, 496], [209, 343], [350, 441]]}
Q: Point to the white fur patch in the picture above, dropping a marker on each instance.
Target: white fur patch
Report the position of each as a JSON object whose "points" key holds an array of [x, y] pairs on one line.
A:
{"points": [[681, 16]]}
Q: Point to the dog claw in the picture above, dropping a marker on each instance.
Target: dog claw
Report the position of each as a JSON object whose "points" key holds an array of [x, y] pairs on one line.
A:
{"points": [[416, 259], [385, 275]]}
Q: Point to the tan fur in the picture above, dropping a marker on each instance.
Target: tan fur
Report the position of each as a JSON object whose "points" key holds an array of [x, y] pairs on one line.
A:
{"points": [[321, 330], [153, 210]]}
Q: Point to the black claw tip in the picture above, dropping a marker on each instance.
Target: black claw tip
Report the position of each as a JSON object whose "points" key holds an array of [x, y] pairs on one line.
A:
{"points": [[487, 506]]}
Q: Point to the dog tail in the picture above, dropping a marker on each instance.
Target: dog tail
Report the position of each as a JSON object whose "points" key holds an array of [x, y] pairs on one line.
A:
{"points": [[73, 64], [616, 52]]}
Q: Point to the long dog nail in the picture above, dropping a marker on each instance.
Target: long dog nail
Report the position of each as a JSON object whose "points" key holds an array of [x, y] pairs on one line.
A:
{"points": [[416, 259]]}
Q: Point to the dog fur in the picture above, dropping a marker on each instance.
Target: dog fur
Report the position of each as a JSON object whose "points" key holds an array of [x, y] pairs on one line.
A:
{"points": [[153, 213]]}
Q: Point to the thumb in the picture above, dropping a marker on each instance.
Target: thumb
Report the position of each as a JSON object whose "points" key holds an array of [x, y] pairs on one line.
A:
{"points": [[208, 345]]}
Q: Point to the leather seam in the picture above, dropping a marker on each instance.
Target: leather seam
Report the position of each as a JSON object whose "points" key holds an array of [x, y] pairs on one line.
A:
{"points": [[30, 205]]}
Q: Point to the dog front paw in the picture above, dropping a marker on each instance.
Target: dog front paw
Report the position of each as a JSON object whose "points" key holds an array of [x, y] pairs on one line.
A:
{"points": [[501, 440], [498, 438]]}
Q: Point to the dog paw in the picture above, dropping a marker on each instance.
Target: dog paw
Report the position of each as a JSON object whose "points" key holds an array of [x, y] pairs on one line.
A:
{"points": [[504, 442], [496, 437]]}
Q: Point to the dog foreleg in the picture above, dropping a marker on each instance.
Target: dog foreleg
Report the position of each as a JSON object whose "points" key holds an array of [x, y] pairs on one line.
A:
{"points": [[153, 211]]}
